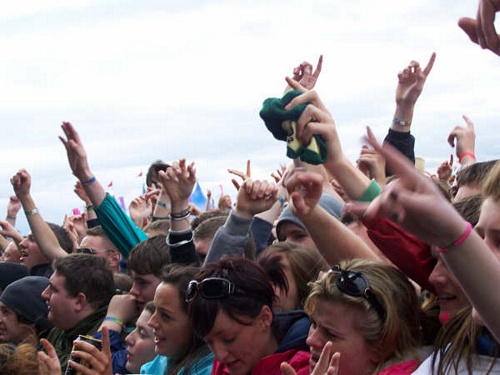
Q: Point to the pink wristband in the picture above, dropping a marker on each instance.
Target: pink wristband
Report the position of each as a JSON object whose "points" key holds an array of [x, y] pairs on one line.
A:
{"points": [[464, 154], [460, 240]]}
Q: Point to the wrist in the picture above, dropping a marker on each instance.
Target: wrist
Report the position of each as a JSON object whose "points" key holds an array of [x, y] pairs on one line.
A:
{"points": [[238, 211], [467, 157], [179, 206], [457, 239], [11, 217]]}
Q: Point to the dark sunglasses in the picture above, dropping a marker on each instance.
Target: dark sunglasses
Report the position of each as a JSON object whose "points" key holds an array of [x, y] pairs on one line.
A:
{"points": [[89, 250], [355, 284], [211, 288]]}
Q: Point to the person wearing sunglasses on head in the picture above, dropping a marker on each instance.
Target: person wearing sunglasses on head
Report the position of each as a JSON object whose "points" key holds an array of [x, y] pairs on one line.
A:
{"points": [[370, 313], [179, 349], [231, 309]]}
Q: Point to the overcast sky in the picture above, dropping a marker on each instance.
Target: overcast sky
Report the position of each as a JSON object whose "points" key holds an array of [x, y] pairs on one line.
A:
{"points": [[146, 80]]}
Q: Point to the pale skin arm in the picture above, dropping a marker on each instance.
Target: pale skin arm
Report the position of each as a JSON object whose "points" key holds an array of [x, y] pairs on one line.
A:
{"points": [[333, 239], [411, 81], [80, 192], [45, 238], [13, 208], [178, 181], [415, 203], [317, 120], [463, 138], [77, 158], [9, 231]]}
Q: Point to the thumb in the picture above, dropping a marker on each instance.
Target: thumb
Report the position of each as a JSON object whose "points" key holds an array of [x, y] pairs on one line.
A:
{"points": [[286, 369], [469, 26]]}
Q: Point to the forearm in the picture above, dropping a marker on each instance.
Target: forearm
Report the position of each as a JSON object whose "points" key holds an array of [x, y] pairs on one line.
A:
{"points": [[403, 116], [45, 238], [230, 239], [118, 226], [95, 191], [352, 180], [333, 239]]}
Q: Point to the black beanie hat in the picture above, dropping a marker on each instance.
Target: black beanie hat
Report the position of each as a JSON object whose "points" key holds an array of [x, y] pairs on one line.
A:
{"points": [[10, 272], [24, 297]]}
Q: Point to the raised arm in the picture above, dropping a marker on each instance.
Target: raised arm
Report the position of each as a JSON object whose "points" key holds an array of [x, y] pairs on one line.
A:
{"points": [[13, 208], [120, 229], [332, 238], [45, 238], [254, 196], [463, 138], [178, 181], [317, 120], [415, 203]]}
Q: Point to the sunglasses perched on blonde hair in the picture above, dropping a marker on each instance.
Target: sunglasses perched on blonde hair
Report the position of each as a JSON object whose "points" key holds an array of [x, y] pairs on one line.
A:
{"points": [[354, 283]]}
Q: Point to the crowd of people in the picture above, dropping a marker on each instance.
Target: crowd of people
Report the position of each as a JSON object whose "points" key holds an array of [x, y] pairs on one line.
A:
{"points": [[329, 267]]}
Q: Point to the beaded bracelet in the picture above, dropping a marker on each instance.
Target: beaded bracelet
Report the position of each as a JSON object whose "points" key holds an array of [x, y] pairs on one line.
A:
{"points": [[459, 241]]}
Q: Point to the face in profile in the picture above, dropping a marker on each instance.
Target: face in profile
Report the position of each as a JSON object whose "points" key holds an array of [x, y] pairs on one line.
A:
{"points": [[240, 346], [338, 322], [141, 344], [171, 327], [11, 329]]}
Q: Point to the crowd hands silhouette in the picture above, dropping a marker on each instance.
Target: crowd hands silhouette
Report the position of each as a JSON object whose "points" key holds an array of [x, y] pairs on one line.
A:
{"points": [[372, 267]]}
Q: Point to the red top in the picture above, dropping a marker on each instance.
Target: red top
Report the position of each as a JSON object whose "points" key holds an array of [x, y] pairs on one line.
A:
{"points": [[270, 364]]}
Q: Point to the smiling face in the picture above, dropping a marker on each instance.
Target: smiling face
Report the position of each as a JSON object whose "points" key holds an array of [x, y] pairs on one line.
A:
{"points": [[10, 328], [30, 253], [170, 323], [141, 344], [241, 346], [338, 322], [451, 295], [63, 309]]}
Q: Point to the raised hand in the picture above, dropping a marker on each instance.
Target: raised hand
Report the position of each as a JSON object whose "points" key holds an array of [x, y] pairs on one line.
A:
{"points": [[21, 182], [482, 29], [254, 197], [13, 206], [140, 210], [372, 164], [328, 363], [445, 170], [178, 181], [463, 138], [304, 189], [411, 82], [413, 201], [304, 74], [48, 362], [243, 175], [80, 192], [77, 157]]}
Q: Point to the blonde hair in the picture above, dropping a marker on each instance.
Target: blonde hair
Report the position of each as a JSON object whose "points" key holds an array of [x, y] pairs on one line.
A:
{"points": [[396, 336], [491, 186]]}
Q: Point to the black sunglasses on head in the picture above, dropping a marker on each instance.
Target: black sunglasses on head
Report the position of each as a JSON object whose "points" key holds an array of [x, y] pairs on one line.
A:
{"points": [[211, 288], [354, 283], [89, 250]]}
